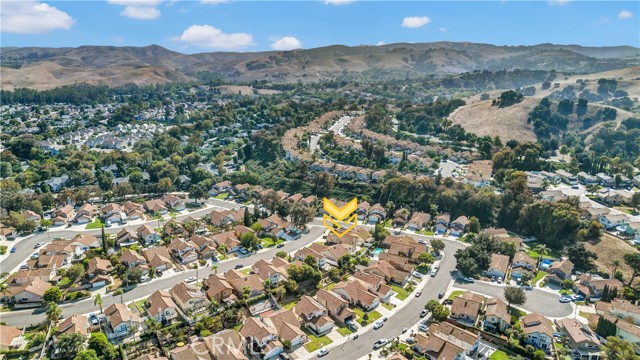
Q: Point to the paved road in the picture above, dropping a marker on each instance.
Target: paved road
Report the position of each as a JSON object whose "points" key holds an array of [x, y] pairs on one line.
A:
{"points": [[146, 289], [407, 316], [540, 301]]}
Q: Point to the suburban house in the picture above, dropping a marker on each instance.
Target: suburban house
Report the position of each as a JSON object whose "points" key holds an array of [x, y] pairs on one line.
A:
{"points": [[611, 221], [479, 173], [184, 251], [337, 307], [27, 293], [497, 316], [275, 270], [418, 221], [313, 315], [10, 338], [593, 287], [227, 344], [131, 258], [120, 320], [458, 226], [126, 237], [240, 281], [377, 213], [155, 206], [560, 270], [148, 235], [583, 341], [86, 242], [444, 341], [624, 309], [158, 257], [228, 239], [466, 308], [98, 266], [173, 202], [287, 324], [626, 328], [188, 297], [498, 266], [63, 215], [358, 294], [161, 307], [538, 331], [74, 324], [261, 338], [392, 273], [363, 210], [522, 262], [218, 288]]}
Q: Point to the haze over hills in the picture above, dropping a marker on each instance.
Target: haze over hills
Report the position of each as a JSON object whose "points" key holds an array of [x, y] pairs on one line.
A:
{"points": [[44, 68]]}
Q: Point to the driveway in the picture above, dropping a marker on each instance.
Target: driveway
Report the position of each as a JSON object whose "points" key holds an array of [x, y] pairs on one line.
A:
{"points": [[540, 301]]}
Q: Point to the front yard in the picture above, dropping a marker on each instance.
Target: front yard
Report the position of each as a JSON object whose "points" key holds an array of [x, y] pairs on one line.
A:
{"points": [[221, 196], [96, 224], [372, 315], [538, 277], [268, 242], [401, 293], [3, 249], [454, 294], [315, 342], [344, 331]]}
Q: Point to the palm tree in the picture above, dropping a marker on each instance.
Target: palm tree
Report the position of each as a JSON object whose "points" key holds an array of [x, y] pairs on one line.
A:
{"points": [[69, 344], [97, 300], [616, 264], [542, 250], [53, 312], [215, 269]]}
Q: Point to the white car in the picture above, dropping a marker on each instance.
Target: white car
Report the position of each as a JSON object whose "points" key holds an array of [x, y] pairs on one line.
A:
{"points": [[191, 279], [323, 352], [38, 245], [378, 324], [417, 275], [380, 343]]}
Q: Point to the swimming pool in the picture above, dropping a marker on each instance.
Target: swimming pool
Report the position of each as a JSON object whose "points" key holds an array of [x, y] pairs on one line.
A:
{"points": [[377, 251], [544, 264]]}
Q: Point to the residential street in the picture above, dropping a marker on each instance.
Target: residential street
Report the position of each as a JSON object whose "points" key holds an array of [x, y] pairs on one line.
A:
{"points": [[145, 289], [538, 300], [407, 316]]}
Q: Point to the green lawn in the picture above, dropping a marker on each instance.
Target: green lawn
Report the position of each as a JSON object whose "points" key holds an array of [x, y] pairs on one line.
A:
{"points": [[221, 196], [387, 306], [330, 286], [315, 342], [425, 232], [344, 331], [3, 249], [138, 305], [96, 224], [246, 271], [268, 242], [499, 355], [290, 305], [373, 315], [64, 282], [517, 312], [401, 293], [566, 292], [551, 254], [538, 277], [455, 294]]}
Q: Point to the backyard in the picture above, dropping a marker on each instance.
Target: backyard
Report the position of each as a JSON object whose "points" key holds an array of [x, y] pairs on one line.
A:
{"points": [[499, 355], [551, 253]]}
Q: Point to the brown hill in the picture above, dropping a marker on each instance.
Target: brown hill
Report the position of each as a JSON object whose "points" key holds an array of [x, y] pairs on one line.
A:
{"points": [[117, 65]]}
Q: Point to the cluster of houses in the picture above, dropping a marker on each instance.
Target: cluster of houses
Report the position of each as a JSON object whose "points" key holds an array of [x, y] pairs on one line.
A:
{"points": [[624, 315]]}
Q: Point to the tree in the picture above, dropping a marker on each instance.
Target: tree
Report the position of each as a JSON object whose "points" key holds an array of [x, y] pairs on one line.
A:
{"points": [[75, 272], [88, 355], [440, 313], [53, 294], [425, 258], [45, 223], [431, 305], [474, 225], [164, 185], [53, 312], [69, 344], [542, 251], [301, 214], [437, 245], [103, 348], [104, 241], [515, 295], [247, 217], [282, 254], [581, 257], [633, 260], [97, 300], [616, 264], [618, 349], [249, 240], [564, 150]]}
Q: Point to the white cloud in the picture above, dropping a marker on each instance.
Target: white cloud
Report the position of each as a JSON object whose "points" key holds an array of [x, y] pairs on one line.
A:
{"points": [[625, 14], [286, 43], [32, 17], [214, 2], [380, 43], [443, 29], [206, 36], [558, 2], [338, 2], [138, 9], [415, 21]]}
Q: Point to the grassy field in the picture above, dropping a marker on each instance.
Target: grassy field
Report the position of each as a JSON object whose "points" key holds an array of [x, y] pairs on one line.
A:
{"points": [[401, 293], [3, 249], [315, 343], [455, 294], [138, 305], [344, 331], [551, 254], [373, 315], [268, 242], [499, 355], [96, 224], [387, 306], [611, 248], [290, 305], [538, 277], [246, 271], [221, 196]]}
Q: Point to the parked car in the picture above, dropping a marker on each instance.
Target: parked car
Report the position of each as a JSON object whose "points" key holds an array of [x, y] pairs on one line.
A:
{"points": [[323, 352], [378, 324], [285, 356], [13, 250], [527, 287], [499, 279], [565, 299], [416, 275], [577, 297], [469, 280], [423, 313], [159, 272], [355, 336], [441, 295], [380, 343], [434, 272], [493, 279], [385, 319], [410, 340], [423, 327], [24, 267], [281, 245], [35, 256], [404, 330], [418, 293], [352, 325], [107, 223], [191, 279], [38, 245], [239, 266]]}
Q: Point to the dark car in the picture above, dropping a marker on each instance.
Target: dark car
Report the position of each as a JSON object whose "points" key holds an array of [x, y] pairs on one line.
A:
{"points": [[281, 245], [159, 272], [239, 266], [13, 249], [441, 295]]}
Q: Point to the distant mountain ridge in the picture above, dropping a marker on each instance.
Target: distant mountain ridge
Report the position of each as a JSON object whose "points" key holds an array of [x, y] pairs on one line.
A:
{"points": [[41, 68]]}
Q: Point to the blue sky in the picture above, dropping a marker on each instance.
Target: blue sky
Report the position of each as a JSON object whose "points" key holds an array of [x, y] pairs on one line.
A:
{"points": [[217, 25]]}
